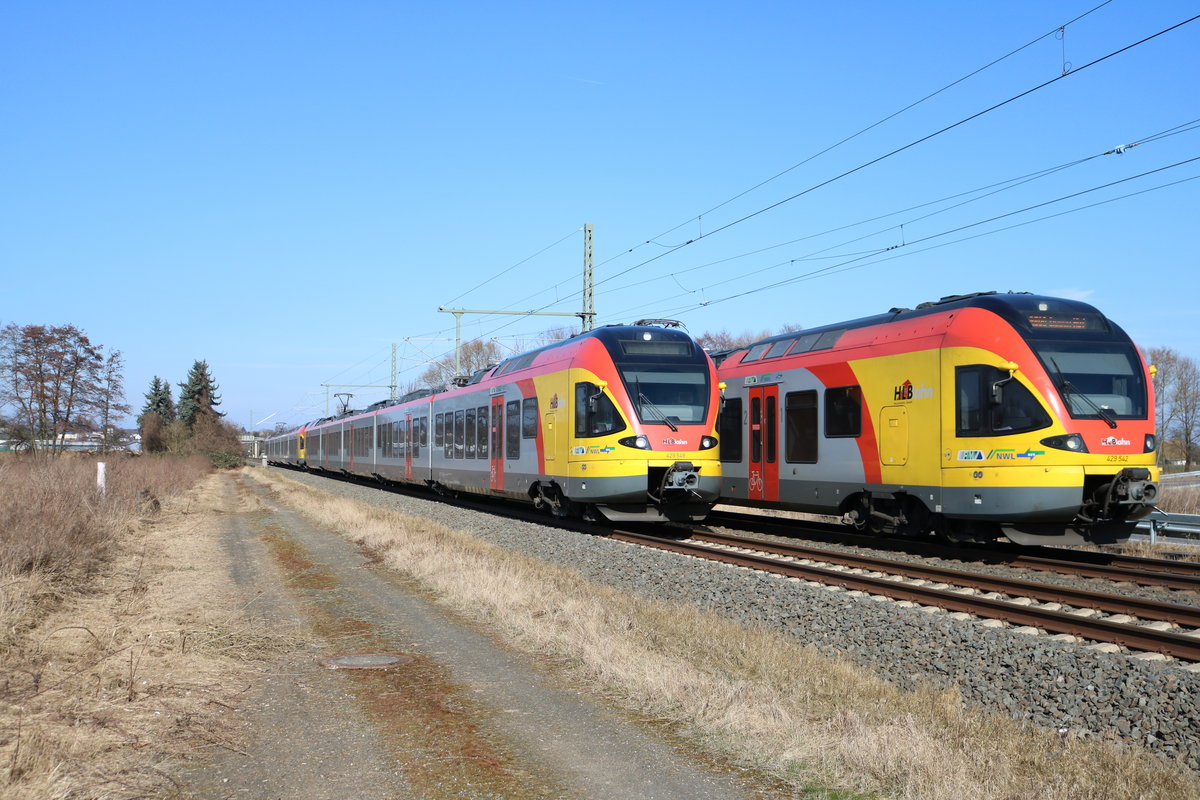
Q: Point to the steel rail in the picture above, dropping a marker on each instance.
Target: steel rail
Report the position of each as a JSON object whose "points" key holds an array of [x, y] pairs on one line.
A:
{"points": [[1136, 637], [1083, 598], [1147, 572]]}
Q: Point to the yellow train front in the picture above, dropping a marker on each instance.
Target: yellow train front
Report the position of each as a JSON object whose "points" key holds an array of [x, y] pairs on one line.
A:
{"points": [[619, 421], [974, 417]]}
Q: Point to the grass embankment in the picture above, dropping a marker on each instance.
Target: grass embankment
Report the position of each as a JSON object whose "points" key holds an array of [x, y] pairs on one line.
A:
{"points": [[1179, 501], [747, 696], [102, 680]]}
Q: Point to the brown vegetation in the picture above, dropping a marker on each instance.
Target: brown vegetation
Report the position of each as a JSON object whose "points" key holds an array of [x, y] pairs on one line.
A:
{"points": [[101, 681]]}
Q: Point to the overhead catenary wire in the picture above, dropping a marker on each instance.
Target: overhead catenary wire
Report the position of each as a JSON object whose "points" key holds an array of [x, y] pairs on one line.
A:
{"points": [[853, 263], [1052, 32], [867, 164], [971, 195], [901, 149]]}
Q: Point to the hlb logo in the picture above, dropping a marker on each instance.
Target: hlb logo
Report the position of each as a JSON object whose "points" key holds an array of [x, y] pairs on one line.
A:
{"points": [[906, 391]]}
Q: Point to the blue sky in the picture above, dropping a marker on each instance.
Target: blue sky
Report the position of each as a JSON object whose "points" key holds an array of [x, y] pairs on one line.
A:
{"points": [[286, 189]]}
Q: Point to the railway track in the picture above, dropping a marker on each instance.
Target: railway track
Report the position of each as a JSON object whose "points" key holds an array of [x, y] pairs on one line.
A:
{"points": [[1183, 575], [1142, 625]]}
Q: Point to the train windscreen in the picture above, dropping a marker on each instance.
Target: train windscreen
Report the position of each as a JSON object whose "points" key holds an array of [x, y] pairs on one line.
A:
{"points": [[1097, 380], [665, 374]]}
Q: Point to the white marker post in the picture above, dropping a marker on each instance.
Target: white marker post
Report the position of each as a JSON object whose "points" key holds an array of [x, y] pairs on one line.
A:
{"points": [[101, 475]]}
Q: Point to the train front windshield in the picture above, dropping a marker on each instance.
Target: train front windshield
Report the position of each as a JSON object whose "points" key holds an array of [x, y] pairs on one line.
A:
{"points": [[666, 376], [1097, 380]]}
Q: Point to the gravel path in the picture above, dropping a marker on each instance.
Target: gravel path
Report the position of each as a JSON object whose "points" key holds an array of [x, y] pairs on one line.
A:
{"points": [[460, 717], [1053, 684]]}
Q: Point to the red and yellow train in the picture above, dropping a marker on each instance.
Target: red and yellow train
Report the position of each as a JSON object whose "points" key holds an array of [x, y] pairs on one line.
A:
{"points": [[974, 416], [618, 421]]}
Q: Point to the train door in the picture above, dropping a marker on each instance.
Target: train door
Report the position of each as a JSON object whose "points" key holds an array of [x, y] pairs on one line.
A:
{"points": [[408, 447], [764, 442], [497, 444], [348, 448], [893, 436]]}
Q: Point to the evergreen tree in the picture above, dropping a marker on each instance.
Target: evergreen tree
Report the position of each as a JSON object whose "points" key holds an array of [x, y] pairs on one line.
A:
{"points": [[159, 401], [198, 395]]}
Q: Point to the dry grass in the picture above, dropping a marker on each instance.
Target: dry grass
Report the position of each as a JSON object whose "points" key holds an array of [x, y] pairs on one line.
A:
{"points": [[1179, 501], [111, 664], [746, 695]]}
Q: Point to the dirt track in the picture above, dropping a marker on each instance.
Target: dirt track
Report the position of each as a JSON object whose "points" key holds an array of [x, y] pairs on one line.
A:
{"points": [[463, 718]]}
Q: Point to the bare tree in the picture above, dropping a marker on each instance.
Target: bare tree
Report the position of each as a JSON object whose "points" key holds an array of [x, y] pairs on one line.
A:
{"points": [[110, 399], [51, 378], [714, 341], [1166, 378], [473, 355], [1186, 401]]}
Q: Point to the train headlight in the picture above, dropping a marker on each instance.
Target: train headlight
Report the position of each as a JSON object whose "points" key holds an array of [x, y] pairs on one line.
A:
{"points": [[1072, 442], [1151, 443], [636, 442], [708, 442]]}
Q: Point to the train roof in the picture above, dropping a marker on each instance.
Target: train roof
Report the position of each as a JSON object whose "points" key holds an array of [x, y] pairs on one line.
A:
{"points": [[1016, 307]]}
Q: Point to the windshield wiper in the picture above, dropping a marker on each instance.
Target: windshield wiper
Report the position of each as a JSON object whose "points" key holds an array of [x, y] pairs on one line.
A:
{"points": [[1067, 388], [647, 402]]}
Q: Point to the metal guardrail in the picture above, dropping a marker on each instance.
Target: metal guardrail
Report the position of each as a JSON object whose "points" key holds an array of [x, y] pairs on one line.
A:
{"points": [[1158, 522]]}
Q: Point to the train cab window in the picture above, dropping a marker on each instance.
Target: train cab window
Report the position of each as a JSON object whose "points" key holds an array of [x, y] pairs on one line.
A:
{"points": [[481, 417], [470, 430], [989, 402], [595, 413], [800, 425], [843, 411], [529, 418], [512, 429], [729, 430]]}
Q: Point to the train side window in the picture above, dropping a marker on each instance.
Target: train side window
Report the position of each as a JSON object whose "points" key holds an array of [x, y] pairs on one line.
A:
{"points": [[756, 352], [595, 413], [729, 430], [438, 427], [414, 437], [512, 429], [800, 425], [989, 402], [424, 431], [460, 432], [779, 348], [470, 431], [771, 418], [803, 344], [481, 415], [843, 411], [529, 418]]}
